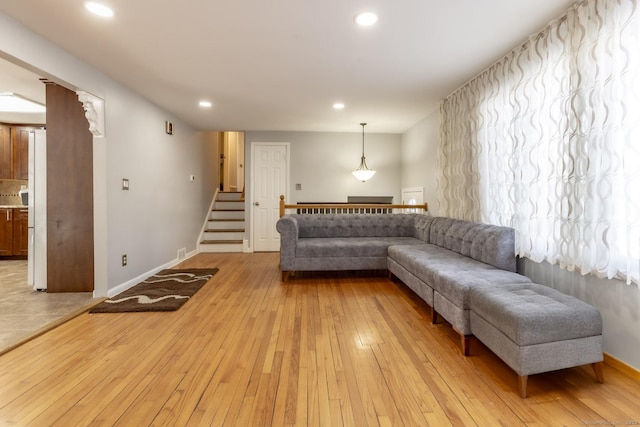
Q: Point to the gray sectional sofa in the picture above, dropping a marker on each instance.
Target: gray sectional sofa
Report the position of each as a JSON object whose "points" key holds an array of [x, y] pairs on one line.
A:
{"points": [[442, 260]]}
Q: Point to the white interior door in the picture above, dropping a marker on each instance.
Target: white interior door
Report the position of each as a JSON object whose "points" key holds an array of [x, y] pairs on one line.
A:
{"points": [[413, 196], [270, 180]]}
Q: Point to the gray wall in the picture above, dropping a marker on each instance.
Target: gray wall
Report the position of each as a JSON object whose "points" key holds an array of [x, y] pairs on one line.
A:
{"points": [[163, 211], [419, 158], [618, 303], [322, 163]]}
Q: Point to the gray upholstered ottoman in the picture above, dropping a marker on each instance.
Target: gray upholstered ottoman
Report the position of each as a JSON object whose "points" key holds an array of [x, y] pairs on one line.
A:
{"points": [[534, 328]]}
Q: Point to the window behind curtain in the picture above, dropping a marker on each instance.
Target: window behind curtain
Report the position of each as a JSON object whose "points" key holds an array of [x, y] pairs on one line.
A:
{"points": [[547, 141]]}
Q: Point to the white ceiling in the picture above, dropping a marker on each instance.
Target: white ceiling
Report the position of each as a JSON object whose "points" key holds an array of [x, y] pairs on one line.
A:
{"points": [[280, 65]]}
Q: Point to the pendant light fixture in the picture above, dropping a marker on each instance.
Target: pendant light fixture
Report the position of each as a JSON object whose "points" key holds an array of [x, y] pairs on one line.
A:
{"points": [[363, 173]]}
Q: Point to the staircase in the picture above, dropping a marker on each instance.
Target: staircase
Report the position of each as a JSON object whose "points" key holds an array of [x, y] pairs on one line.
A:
{"points": [[224, 229]]}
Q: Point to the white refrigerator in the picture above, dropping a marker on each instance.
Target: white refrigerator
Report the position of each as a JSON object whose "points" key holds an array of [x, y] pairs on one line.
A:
{"points": [[37, 256]]}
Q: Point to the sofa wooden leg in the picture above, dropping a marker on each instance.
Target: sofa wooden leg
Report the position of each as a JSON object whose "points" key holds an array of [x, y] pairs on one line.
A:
{"points": [[434, 316], [597, 369], [285, 275], [522, 385], [466, 344]]}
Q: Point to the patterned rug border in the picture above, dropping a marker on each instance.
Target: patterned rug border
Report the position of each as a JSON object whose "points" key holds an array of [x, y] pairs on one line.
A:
{"points": [[166, 290]]}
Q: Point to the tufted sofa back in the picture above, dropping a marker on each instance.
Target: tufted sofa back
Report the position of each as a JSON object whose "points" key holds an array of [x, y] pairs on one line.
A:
{"points": [[491, 244], [356, 225]]}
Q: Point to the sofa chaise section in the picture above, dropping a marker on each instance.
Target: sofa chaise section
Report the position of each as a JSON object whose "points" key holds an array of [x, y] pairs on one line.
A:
{"points": [[456, 256]]}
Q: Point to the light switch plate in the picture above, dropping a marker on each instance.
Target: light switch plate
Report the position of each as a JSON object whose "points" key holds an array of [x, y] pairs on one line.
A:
{"points": [[125, 183]]}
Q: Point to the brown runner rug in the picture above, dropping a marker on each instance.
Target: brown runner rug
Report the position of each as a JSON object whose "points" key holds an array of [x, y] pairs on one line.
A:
{"points": [[165, 291]]}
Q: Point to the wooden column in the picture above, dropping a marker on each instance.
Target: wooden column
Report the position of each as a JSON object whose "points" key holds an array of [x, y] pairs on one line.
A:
{"points": [[69, 193]]}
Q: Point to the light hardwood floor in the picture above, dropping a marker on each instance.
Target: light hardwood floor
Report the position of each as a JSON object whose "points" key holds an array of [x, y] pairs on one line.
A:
{"points": [[325, 349]]}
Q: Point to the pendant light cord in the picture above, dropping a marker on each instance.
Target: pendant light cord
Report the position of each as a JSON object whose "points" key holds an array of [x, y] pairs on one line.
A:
{"points": [[363, 125]]}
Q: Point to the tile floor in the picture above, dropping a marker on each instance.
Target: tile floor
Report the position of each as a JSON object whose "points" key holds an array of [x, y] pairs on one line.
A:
{"points": [[25, 313]]}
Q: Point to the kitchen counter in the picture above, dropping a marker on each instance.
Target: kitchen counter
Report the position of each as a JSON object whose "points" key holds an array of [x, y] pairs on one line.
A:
{"points": [[13, 206]]}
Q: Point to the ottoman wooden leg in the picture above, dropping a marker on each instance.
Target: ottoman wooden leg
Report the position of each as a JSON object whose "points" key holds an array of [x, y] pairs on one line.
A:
{"points": [[522, 385], [285, 275], [597, 369], [466, 344]]}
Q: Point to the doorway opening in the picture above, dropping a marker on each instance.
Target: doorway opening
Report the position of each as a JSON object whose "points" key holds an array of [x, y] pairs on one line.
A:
{"points": [[231, 152], [16, 127]]}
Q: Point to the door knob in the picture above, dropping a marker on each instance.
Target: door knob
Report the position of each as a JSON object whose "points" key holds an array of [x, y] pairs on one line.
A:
{"points": [[257, 204]]}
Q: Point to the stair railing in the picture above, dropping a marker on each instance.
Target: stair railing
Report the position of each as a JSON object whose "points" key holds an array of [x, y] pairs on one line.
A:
{"points": [[350, 208]]}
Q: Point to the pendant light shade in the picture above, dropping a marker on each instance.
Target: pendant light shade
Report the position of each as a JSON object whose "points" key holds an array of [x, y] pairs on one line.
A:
{"points": [[363, 173]]}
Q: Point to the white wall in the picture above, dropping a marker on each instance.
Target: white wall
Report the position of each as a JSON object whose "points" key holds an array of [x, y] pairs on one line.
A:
{"points": [[419, 158], [618, 303], [163, 211]]}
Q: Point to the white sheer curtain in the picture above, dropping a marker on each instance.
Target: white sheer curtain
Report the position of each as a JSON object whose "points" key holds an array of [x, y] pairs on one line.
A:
{"points": [[547, 141]]}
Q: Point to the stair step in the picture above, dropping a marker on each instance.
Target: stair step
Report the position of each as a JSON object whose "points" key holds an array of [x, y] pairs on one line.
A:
{"points": [[224, 230], [230, 195], [223, 235], [226, 224], [226, 205], [221, 247], [225, 215], [219, 242]]}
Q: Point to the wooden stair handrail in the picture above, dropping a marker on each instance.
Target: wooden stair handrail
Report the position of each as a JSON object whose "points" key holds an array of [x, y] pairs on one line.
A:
{"points": [[284, 207]]}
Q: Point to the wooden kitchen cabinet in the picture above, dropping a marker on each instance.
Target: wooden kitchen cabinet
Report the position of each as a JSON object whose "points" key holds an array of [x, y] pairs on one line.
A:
{"points": [[14, 232], [6, 232], [6, 165], [14, 151], [21, 232], [20, 151]]}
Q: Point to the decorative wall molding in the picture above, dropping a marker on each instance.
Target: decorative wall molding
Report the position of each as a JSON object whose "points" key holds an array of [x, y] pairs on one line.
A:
{"points": [[94, 112]]}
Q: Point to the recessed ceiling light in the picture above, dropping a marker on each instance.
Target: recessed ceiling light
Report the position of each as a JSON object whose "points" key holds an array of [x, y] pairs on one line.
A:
{"points": [[338, 106], [366, 19], [205, 104], [99, 9]]}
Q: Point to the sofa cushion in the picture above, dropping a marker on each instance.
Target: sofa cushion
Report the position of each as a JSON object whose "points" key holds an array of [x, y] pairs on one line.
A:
{"points": [[350, 246], [426, 260], [455, 284], [530, 313]]}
